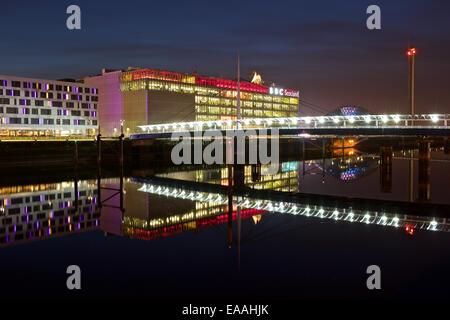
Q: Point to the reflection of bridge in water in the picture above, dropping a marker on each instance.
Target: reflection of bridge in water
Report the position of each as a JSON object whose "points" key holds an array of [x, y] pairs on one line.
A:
{"points": [[313, 206]]}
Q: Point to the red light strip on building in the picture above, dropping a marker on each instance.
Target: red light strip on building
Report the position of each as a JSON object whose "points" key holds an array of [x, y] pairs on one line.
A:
{"points": [[230, 84], [199, 80], [167, 231]]}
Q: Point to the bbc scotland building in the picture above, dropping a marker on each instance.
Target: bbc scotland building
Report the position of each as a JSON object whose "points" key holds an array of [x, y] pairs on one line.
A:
{"points": [[136, 97], [47, 108]]}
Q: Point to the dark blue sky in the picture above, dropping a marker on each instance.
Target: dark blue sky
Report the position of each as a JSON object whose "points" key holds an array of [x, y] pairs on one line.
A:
{"points": [[320, 47]]}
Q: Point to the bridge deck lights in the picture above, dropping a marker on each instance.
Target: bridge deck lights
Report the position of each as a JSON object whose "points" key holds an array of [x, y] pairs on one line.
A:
{"points": [[428, 120], [434, 118]]}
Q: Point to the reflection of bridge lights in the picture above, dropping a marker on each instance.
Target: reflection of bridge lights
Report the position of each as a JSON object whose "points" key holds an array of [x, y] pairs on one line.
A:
{"points": [[307, 211], [395, 221], [321, 212], [350, 217], [389, 220], [383, 220], [335, 215], [432, 226], [293, 210], [409, 229]]}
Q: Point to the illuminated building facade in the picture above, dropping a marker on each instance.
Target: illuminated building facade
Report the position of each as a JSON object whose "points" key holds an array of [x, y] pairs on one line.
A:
{"points": [[34, 107], [147, 218], [149, 96], [34, 212]]}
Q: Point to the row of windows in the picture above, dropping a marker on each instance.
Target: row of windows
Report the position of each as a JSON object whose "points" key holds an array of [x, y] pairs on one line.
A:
{"points": [[46, 121], [32, 231], [47, 95], [39, 198], [249, 103], [45, 197], [47, 112], [146, 84], [40, 103], [43, 216], [47, 86], [245, 104], [249, 112]]}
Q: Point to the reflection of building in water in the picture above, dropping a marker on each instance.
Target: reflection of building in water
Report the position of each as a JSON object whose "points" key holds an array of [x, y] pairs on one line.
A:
{"points": [[155, 218], [255, 176], [345, 169], [191, 221], [39, 211], [149, 216]]}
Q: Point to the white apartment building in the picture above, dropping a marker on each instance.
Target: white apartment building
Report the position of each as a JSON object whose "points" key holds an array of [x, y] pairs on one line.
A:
{"points": [[36, 107]]}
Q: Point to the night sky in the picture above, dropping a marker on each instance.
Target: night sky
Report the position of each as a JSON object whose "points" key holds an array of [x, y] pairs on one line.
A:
{"points": [[322, 48]]}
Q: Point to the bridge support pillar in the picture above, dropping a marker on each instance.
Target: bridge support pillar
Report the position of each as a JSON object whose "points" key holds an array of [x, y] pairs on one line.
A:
{"points": [[256, 172], [446, 146], [238, 176]]}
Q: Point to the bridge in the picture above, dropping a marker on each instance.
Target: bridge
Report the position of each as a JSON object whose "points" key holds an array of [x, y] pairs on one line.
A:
{"points": [[354, 125]]}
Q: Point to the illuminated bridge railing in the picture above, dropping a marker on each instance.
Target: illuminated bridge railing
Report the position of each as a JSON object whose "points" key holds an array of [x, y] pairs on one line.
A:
{"points": [[361, 121], [337, 214]]}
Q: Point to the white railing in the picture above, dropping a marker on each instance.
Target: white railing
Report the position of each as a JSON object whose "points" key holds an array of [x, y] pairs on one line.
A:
{"points": [[361, 121]]}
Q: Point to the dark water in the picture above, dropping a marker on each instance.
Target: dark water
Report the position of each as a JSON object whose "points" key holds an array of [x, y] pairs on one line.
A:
{"points": [[182, 236]]}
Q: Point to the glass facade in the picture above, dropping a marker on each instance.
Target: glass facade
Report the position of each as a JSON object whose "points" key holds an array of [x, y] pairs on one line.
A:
{"points": [[216, 98]]}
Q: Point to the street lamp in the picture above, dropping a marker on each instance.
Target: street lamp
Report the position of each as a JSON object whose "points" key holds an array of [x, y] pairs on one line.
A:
{"points": [[411, 53]]}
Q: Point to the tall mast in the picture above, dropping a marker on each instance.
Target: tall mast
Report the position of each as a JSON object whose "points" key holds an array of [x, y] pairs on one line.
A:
{"points": [[238, 100]]}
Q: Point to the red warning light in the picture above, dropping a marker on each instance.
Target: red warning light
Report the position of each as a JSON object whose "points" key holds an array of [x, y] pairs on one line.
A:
{"points": [[411, 52]]}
